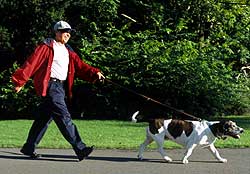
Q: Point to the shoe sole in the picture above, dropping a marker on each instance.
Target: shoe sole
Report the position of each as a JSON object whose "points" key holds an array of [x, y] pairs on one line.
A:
{"points": [[87, 154], [33, 156]]}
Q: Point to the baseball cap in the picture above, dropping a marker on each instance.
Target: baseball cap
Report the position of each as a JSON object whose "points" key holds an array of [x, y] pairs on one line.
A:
{"points": [[62, 25]]}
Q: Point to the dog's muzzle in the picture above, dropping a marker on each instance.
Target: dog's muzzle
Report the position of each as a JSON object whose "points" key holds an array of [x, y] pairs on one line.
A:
{"points": [[235, 133]]}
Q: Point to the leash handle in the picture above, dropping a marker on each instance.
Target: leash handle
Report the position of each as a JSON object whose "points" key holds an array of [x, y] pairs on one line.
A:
{"points": [[153, 100]]}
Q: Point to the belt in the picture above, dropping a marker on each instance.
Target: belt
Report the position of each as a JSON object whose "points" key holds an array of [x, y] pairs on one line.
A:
{"points": [[56, 80]]}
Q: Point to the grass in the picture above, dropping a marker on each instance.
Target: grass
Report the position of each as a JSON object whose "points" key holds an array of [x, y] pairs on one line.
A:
{"points": [[104, 134]]}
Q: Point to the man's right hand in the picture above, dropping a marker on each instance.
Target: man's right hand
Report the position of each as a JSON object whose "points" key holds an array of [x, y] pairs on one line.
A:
{"points": [[17, 89]]}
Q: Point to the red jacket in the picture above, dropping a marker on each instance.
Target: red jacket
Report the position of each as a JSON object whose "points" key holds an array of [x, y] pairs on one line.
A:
{"points": [[38, 66]]}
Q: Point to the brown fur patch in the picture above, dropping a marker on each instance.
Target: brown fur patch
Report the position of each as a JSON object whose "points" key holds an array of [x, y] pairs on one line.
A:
{"points": [[176, 127], [155, 124], [217, 129]]}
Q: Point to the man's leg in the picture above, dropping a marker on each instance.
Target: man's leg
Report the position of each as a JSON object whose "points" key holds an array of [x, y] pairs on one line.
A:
{"points": [[64, 122], [37, 130]]}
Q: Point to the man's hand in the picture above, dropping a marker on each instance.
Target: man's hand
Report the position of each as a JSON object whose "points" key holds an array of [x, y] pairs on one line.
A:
{"points": [[17, 89], [100, 76]]}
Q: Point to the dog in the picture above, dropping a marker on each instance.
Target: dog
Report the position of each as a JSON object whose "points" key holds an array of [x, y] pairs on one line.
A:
{"points": [[188, 134]]}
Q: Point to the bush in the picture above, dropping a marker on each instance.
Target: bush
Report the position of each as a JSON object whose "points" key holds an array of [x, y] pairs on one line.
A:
{"points": [[183, 74], [13, 105], [183, 53]]}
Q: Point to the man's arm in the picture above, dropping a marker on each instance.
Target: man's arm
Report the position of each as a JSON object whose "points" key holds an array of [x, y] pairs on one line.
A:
{"points": [[87, 72], [30, 66]]}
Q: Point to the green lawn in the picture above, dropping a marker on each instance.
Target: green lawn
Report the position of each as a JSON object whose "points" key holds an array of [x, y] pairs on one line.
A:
{"points": [[104, 134]]}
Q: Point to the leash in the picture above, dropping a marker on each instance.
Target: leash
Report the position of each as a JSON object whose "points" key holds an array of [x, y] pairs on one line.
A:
{"points": [[153, 100]]}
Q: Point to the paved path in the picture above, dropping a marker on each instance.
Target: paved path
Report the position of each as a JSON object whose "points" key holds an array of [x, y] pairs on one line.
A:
{"points": [[58, 161]]}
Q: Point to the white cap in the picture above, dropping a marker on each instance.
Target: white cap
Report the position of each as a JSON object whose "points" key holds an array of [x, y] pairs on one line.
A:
{"points": [[62, 25]]}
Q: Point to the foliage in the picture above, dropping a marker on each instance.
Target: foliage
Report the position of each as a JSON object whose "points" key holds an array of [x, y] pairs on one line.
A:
{"points": [[186, 64], [27, 33], [13, 105], [178, 73], [186, 54]]}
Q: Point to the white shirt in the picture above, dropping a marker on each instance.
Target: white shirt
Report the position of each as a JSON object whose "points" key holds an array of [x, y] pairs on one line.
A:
{"points": [[59, 68]]}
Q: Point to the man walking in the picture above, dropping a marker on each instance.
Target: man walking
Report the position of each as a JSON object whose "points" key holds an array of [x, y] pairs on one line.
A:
{"points": [[53, 66]]}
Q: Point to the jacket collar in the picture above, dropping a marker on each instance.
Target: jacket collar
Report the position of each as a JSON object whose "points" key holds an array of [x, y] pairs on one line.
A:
{"points": [[49, 43]]}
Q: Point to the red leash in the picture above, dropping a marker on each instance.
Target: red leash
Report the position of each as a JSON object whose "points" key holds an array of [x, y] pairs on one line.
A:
{"points": [[153, 100]]}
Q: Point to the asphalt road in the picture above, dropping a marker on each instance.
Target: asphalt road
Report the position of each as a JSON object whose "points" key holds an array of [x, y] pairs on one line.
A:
{"points": [[58, 161]]}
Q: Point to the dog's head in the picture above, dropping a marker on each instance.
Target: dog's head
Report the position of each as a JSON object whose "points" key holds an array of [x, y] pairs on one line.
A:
{"points": [[229, 128]]}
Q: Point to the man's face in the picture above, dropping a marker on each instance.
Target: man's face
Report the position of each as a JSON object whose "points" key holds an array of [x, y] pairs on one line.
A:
{"points": [[63, 36]]}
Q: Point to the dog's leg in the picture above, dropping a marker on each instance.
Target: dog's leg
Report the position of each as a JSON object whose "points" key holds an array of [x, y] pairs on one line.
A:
{"points": [[143, 146], [188, 153], [216, 153], [159, 139]]}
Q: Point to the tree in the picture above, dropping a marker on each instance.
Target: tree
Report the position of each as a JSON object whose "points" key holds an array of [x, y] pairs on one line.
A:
{"points": [[184, 53]]}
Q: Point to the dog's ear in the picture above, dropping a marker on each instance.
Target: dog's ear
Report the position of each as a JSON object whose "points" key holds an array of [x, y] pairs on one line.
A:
{"points": [[226, 125], [221, 126], [223, 122]]}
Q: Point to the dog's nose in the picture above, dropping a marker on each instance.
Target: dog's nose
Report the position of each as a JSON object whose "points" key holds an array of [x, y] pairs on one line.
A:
{"points": [[242, 130]]}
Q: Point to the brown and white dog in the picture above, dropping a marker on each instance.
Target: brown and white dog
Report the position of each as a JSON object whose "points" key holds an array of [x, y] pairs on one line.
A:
{"points": [[187, 133]]}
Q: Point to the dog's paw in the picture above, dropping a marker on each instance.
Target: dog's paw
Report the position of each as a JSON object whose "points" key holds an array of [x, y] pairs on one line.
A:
{"points": [[185, 161], [223, 160], [167, 159]]}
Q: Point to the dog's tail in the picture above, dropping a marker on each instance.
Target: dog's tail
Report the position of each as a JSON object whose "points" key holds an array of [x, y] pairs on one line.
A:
{"points": [[134, 117]]}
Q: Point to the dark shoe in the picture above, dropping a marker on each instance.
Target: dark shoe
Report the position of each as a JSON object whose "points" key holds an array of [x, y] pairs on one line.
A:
{"points": [[84, 153], [30, 154]]}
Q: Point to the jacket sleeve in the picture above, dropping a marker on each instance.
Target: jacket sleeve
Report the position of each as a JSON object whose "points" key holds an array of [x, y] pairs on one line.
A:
{"points": [[30, 66], [85, 71]]}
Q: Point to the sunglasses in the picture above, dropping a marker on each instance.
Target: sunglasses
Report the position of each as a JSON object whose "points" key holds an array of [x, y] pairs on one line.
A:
{"points": [[65, 30]]}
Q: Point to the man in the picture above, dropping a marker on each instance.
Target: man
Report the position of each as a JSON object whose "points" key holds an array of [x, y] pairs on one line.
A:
{"points": [[53, 66]]}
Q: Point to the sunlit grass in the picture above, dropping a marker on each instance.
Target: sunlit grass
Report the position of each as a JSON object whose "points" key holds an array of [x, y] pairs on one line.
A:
{"points": [[104, 134]]}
